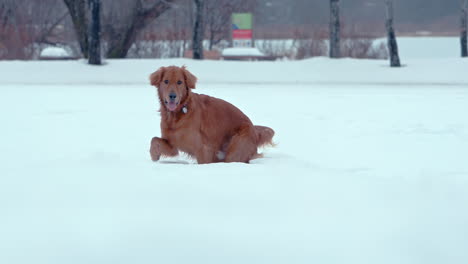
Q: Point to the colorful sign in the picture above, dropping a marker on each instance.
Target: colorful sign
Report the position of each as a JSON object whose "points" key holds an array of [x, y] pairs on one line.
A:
{"points": [[241, 21], [242, 34], [242, 29]]}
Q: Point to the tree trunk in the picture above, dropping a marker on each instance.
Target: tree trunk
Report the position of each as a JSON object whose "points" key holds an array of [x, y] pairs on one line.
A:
{"points": [[211, 40], [197, 44], [77, 9], [211, 31], [391, 38], [95, 33], [335, 51], [120, 41], [463, 31]]}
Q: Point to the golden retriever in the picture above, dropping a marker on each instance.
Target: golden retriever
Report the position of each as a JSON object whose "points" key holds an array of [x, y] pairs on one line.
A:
{"points": [[206, 128]]}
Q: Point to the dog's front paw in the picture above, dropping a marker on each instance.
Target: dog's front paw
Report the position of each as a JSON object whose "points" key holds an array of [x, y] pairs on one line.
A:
{"points": [[155, 149]]}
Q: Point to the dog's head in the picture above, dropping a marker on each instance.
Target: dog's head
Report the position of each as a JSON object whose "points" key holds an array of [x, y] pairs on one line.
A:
{"points": [[174, 84]]}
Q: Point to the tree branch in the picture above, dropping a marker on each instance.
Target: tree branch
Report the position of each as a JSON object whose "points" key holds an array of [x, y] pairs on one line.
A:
{"points": [[42, 37], [146, 16], [121, 42]]}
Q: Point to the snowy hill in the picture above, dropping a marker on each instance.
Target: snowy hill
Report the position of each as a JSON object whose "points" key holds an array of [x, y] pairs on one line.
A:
{"points": [[370, 165]]}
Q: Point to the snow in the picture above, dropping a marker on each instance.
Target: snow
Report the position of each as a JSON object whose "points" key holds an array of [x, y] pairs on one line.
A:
{"points": [[370, 165], [424, 47], [242, 52], [427, 47], [54, 52], [318, 71]]}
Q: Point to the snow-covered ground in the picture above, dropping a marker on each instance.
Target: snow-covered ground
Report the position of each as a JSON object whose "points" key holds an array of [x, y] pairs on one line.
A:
{"points": [[370, 167], [409, 47], [427, 47], [242, 52]]}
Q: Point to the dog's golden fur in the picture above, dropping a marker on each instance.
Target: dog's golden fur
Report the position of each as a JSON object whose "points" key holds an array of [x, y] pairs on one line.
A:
{"points": [[206, 128]]}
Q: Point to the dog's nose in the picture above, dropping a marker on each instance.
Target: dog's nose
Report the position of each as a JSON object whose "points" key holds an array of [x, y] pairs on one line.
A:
{"points": [[172, 96]]}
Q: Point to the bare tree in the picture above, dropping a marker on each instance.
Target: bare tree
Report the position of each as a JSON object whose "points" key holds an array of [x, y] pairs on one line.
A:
{"points": [[391, 37], [13, 41], [463, 29], [48, 31], [217, 20], [198, 30], [94, 33], [335, 29], [77, 10], [122, 32], [26, 25]]}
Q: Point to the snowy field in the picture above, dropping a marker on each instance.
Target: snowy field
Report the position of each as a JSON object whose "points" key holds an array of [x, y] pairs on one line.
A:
{"points": [[370, 167]]}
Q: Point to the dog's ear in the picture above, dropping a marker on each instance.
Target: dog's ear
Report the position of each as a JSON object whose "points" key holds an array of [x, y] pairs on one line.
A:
{"points": [[156, 77], [190, 79]]}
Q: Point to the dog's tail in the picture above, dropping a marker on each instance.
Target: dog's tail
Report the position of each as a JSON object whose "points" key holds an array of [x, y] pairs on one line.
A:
{"points": [[264, 136]]}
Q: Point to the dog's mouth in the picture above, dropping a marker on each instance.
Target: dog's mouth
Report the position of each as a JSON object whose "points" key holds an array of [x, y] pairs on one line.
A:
{"points": [[171, 105]]}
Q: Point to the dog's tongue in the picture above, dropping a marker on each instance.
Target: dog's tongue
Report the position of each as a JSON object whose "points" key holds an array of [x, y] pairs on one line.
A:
{"points": [[171, 106]]}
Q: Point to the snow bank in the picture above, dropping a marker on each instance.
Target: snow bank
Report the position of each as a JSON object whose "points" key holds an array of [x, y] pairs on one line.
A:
{"points": [[242, 52], [54, 52], [312, 71], [427, 47]]}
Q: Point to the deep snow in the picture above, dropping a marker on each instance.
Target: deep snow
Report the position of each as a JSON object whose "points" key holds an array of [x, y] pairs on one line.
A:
{"points": [[370, 166], [314, 72]]}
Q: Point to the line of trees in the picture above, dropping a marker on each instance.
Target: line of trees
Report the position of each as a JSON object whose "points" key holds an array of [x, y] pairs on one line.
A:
{"points": [[24, 24], [121, 30], [123, 26], [334, 31]]}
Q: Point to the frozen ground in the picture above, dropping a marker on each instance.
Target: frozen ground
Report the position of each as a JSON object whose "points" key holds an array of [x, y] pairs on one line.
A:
{"points": [[409, 47], [370, 167], [429, 47]]}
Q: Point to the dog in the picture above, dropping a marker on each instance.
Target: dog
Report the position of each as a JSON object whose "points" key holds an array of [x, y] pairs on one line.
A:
{"points": [[206, 128]]}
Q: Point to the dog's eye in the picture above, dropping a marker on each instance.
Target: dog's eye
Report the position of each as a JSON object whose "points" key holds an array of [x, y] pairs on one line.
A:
{"points": [[166, 81], [179, 82]]}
